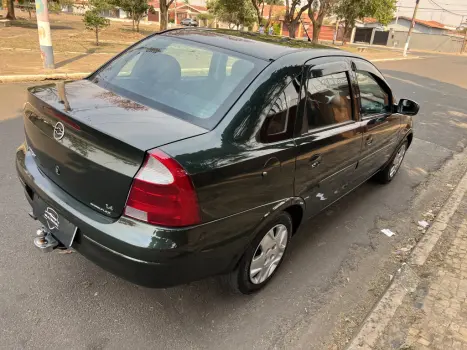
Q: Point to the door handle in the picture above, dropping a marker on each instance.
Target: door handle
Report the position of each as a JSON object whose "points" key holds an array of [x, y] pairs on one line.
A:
{"points": [[369, 140], [315, 160]]}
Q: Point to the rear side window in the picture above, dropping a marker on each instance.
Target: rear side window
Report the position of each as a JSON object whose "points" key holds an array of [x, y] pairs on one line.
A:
{"points": [[280, 119], [191, 81], [328, 100], [374, 97]]}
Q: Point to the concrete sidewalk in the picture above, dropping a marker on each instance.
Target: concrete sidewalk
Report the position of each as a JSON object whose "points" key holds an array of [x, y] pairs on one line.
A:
{"points": [[426, 305]]}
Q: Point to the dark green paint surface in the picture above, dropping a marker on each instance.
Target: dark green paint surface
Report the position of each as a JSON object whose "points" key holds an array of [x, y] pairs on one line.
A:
{"points": [[241, 182]]}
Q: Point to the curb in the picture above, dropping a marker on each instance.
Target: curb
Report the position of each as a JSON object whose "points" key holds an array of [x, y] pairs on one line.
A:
{"points": [[40, 77], [406, 280], [397, 59]]}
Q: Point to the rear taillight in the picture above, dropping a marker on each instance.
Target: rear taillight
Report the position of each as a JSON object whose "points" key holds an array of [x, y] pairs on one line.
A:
{"points": [[162, 193]]}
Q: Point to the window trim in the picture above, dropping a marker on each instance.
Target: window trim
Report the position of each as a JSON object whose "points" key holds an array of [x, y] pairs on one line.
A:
{"points": [[328, 127]]}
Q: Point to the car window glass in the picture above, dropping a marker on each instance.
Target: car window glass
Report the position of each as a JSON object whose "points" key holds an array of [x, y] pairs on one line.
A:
{"points": [[374, 99], [194, 62], [279, 122], [230, 62], [278, 116], [179, 77], [328, 100]]}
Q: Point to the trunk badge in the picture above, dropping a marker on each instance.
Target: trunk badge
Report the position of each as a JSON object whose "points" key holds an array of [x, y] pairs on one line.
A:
{"points": [[59, 131], [51, 217], [57, 170]]}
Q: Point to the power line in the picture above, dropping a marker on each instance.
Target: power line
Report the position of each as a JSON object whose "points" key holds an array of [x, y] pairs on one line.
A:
{"points": [[430, 8], [434, 3]]}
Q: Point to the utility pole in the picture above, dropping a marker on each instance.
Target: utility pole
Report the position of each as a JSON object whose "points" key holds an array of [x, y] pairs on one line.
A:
{"points": [[411, 28], [45, 39], [464, 42]]}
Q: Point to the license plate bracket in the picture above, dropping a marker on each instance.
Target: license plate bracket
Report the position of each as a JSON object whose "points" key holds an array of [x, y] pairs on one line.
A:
{"points": [[62, 229]]}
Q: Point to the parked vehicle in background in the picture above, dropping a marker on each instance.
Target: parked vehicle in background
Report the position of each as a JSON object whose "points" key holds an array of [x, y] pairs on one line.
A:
{"points": [[196, 153], [190, 22]]}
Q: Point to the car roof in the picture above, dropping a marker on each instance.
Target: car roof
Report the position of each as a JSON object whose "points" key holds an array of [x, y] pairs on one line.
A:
{"points": [[253, 44]]}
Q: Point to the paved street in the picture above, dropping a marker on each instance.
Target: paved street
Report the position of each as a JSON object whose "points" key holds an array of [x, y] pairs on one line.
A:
{"points": [[338, 265]]}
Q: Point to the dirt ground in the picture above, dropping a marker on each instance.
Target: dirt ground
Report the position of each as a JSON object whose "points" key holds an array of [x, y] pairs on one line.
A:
{"points": [[69, 34], [74, 47]]}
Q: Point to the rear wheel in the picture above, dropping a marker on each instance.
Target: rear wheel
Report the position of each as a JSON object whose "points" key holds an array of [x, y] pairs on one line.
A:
{"points": [[262, 258], [389, 172]]}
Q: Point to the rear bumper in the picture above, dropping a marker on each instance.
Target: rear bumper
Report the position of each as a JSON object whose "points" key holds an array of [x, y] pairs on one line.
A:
{"points": [[143, 254]]}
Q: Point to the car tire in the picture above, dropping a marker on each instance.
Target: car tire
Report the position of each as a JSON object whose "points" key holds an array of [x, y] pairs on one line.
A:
{"points": [[268, 250], [390, 170]]}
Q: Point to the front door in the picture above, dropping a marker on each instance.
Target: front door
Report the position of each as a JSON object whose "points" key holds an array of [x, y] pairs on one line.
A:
{"points": [[330, 140], [380, 126]]}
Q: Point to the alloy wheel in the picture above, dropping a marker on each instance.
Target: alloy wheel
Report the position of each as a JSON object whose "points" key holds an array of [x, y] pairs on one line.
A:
{"points": [[268, 254], [396, 163]]}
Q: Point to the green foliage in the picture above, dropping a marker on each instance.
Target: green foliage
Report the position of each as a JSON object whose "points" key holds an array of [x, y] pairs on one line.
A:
{"points": [[382, 10], [100, 5], [351, 10], [92, 18], [206, 19], [239, 13], [277, 28], [136, 9]]}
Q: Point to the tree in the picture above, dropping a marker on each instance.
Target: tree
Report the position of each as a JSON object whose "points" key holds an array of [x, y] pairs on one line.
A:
{"points": [[259, 13], [136, 10], [292, 16], [238, 13], [351, 10], [382, 10], [207, 18], [92, 18], [11, 9], [28, 6], [271, 4], [164, 6], [317, 12]]}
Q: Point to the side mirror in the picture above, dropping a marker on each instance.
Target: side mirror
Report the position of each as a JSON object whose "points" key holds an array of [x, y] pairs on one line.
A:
{"points": [[408, 107]]}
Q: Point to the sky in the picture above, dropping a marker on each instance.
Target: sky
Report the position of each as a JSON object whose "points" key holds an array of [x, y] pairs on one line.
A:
{"points": [[433, 10]]}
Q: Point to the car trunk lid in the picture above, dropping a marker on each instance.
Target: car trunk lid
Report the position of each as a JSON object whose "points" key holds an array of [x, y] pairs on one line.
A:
{"points": [[91, 142]]}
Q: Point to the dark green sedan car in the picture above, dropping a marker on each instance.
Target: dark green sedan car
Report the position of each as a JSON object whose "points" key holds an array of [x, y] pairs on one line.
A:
{"points": [[197, 153]]}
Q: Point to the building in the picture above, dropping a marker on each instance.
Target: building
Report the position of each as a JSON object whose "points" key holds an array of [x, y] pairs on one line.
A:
{"points": [[402, 24], [178, 11]]}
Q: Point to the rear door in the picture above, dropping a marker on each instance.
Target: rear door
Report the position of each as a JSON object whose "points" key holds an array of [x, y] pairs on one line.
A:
{"points": [[380, 126], [329, 144]]}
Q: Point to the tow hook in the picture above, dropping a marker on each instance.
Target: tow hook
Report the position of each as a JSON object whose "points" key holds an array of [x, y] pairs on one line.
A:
{"points": [[44, 241]]}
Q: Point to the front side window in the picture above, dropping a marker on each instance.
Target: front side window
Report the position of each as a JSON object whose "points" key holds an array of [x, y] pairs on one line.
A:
{"points": [[374, 99], [191, 81], [328, 100]]}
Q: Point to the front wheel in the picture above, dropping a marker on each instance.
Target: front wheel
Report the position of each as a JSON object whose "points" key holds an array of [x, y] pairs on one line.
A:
{"points": [[262, 258], [389, 172]]}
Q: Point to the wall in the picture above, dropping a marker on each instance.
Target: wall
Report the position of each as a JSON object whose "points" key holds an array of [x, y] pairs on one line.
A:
{"points": [[326, 33], [404, 25], [430, 42]]}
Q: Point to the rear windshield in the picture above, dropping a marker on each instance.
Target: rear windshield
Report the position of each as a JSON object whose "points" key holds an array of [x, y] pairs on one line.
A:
{"points": [[192, 81]]}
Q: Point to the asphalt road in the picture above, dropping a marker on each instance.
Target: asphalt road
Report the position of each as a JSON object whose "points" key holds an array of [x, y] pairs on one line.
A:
{"points": [[338, 264]]}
